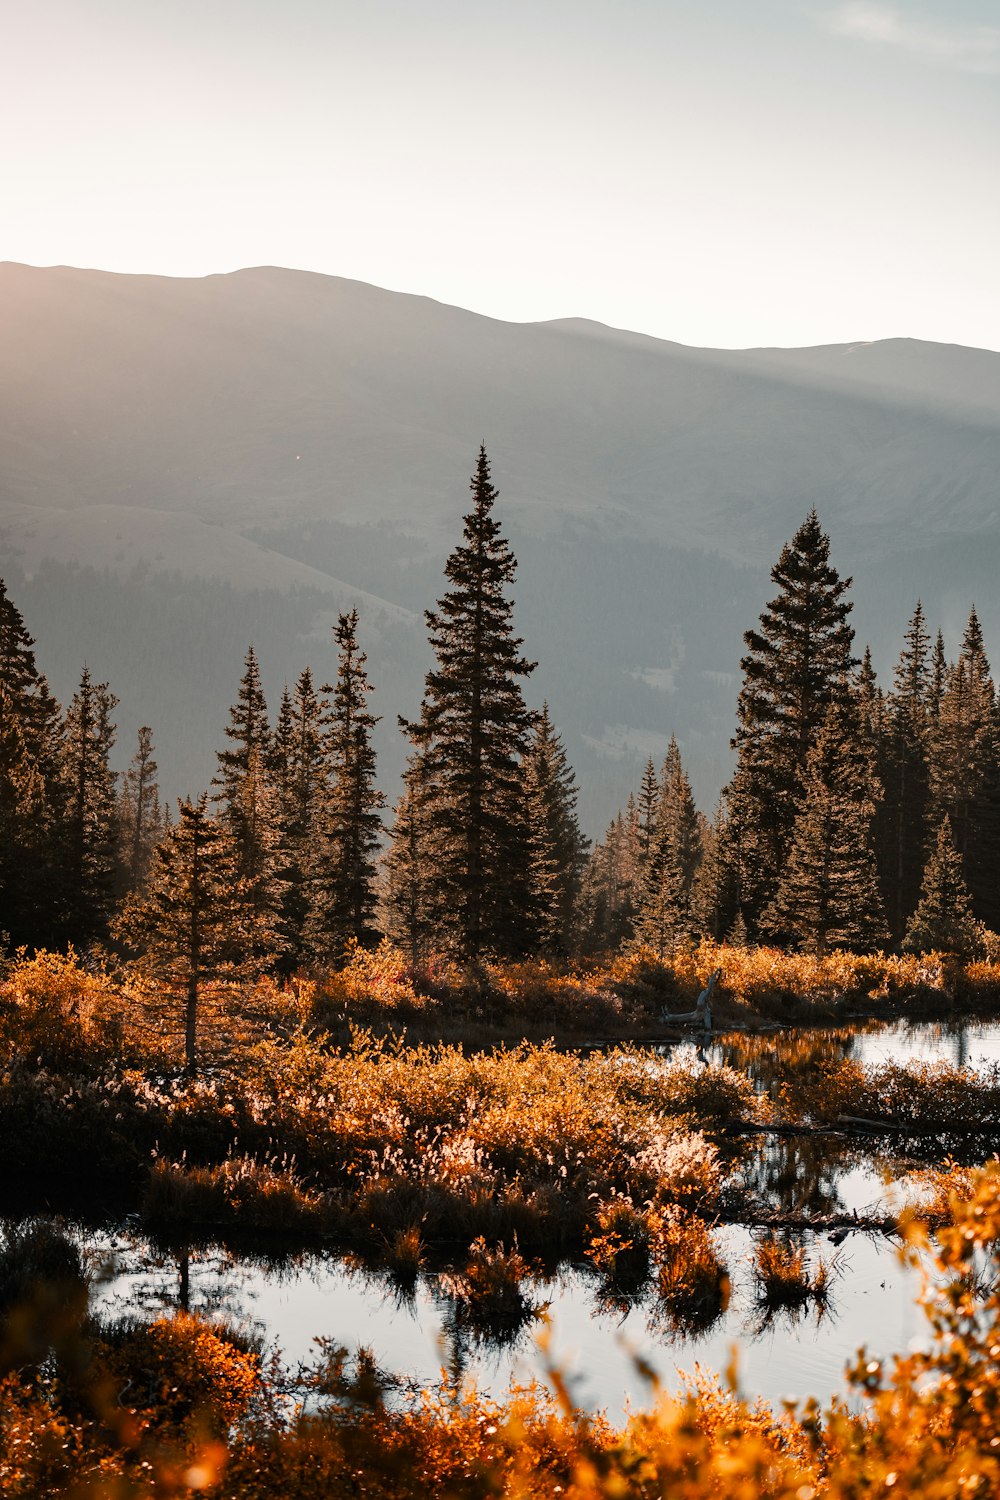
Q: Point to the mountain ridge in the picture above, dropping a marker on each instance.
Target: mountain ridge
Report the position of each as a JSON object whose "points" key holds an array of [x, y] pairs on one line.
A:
{"points": [[269, 430]]}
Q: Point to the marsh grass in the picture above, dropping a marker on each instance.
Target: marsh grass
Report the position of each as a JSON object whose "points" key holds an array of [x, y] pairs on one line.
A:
{"points": [[786, 1277], [488, 1295], [241, 1192], [692, 1282]]}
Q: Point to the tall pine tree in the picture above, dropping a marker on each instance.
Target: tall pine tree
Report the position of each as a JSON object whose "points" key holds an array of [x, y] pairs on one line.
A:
{"points": [[249, 811], [905, 776], [90, 831], [31, 790], [664, 917], [350, 821], [473, 732], [797, 664]]}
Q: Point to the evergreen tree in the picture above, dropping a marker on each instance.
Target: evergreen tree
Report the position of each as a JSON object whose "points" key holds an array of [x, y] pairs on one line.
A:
{"points": [[249, 812], [905, 776], [139, 812], [938, 678], [664, 917], [798, 663], [187, 923], [30, 787], [407, 897], [345, 895], [965, 770], [608, 887], [245, 761], [90, 831], [713, 906], [559, 850], [828, 894], [649, 812], [474, 730], [943, 921], [300, 771]]}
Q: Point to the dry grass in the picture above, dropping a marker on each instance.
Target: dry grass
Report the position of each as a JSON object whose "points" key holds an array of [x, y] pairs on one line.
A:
{"points": [[785, 1276]]}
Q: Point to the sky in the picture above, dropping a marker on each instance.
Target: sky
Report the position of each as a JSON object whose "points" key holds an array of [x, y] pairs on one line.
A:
{"points": [[717, 172]]}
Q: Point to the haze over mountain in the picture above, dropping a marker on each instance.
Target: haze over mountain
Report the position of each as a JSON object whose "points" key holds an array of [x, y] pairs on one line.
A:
{"points": [[186, 465]]}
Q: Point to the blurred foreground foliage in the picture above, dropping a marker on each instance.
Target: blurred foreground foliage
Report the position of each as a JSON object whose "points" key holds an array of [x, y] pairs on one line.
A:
{"points": [[180, 1406]]}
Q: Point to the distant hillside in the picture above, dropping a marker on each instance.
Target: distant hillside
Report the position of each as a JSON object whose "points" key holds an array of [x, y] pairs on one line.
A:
{"points": [[186, 464]]}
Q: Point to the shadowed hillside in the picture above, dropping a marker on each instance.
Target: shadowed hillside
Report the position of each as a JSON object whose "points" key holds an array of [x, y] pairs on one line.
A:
{"points": [[306, 441]]}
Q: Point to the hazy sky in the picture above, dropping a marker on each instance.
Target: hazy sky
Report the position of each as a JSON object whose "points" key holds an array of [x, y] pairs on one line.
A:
{"points": [[719, 172]]}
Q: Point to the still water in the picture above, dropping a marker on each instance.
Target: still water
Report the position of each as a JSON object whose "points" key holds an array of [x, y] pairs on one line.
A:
{"points": [[872, 1303], [873, 1299]]}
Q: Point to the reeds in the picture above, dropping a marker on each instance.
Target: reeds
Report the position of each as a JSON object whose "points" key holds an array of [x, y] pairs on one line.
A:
{"points": [[785, 1276]]}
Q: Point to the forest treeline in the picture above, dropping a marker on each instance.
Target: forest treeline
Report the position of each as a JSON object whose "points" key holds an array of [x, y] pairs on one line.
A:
{"points": [[856, 818]]}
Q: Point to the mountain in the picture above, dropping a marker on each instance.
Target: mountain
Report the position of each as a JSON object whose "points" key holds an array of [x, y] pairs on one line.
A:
{"points": [[186, 465]]}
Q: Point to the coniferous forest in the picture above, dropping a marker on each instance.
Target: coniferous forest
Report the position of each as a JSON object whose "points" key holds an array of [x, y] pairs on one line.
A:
{"points": [[858, 817], [447, 1053]]}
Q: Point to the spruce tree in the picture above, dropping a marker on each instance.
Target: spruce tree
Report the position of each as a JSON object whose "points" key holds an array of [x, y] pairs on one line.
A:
{"points": [[664, 917], [965, 770], [828, 895], [139, 812], [648, 812], [906, 775], [300, 772], [474, 730], [350, 821], [559, 850], [30, 788], [797, 664], [408, 912], [608, 888], [249, 811], [713, 906], [90, 830], [943, 921], [188, 922], [938, 679]]}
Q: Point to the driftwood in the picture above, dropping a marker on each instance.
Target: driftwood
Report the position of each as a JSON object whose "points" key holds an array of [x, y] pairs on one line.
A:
{"points": [[702, 1013], [838, 1226]]}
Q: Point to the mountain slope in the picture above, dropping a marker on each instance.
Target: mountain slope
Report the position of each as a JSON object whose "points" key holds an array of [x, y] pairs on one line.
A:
{"points": [[278, 431]]}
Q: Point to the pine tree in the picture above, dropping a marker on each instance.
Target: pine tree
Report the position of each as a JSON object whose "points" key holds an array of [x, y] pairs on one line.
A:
{"points": [[90, 830], [943, 921], [249, 812], [608, 887], [30, 787], [139, 812], [713, 905], [246, 759], [828, 895], [187, 923], [300, 772], [965, 770], [664, 916], [901, 823], [559, 850], [345, 897], [474, 730], [649, 812], [938, 678], [798, 663], [408, 912]]}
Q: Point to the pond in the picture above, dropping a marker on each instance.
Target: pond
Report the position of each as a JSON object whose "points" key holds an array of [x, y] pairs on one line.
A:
{"points": [[290, 1302], [796, 1354]]}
